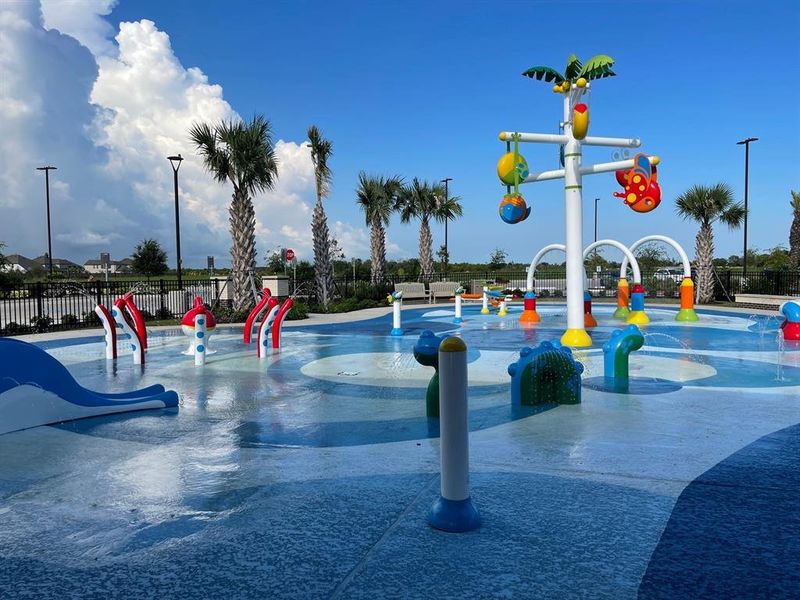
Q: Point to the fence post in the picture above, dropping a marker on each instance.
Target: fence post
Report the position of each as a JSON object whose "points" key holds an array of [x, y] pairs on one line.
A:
{"points": [[161, 293], [98, 292], [39, 303]]}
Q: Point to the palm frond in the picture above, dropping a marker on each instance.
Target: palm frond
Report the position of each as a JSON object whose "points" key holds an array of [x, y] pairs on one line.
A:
{"points": [[597, 67], [573, 68], [795, 201], [321, 151], [546, 73]]}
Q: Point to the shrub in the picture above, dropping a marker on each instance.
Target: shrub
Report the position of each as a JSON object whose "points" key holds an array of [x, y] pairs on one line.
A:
{"points": [[299, 311], [164, 314], [147, 315], [228, 315], [41, 323], [14, 328], [69, 320], [90, 317]]}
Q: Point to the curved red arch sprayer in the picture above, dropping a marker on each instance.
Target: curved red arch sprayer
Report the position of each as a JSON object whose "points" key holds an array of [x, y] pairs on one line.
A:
{"points": [[266, 294], [138, 320], [277, 326], [264, 327], [123, 319], [110, 329]]}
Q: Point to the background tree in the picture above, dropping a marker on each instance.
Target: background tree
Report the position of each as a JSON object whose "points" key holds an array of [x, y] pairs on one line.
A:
{"points": [[420, 200], [376, 196], [321, 151], [706, 205], [149, 259], [243, 154], [336, 253], [651, 255], [498, 259], [443, 255], [794, 231]]}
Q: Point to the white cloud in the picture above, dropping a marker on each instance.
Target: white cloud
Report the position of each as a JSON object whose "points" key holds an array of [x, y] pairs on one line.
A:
{"points": [[83, 21], [122, 107]]}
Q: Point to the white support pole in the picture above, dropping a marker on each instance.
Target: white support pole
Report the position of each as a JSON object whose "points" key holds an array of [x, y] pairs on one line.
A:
{"points": [[397, 306], [534, 138], [503, 309], [485, 303], [576, 335], [458, 318], [200, 341], [619, 165], [454, 510], [551, 138]]}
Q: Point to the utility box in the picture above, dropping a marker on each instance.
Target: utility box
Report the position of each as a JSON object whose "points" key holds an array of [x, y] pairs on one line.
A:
{"points": [[277, 284]]}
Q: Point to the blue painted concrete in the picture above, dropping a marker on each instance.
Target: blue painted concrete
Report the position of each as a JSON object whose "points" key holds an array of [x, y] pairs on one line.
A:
{"points": [[734, 530]]}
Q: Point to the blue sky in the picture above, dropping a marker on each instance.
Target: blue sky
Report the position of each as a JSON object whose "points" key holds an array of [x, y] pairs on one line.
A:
{"points": [[422, 89]]}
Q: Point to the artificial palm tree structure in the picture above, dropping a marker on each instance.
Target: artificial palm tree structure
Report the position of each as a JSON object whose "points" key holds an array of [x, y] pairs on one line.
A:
{"points": [[321, 151], [377, 196], [707, 205], [794, 231], [425, 201], [242, 153]]}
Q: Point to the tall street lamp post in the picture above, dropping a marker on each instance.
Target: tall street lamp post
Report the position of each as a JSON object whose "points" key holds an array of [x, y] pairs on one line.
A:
{"points": [[445, 181], [595, 224], [47, 170], [175, 161], [746, 143]]}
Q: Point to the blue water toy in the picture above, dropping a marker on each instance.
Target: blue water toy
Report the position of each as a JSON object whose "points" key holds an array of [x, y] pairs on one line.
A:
{"points": [[426, 353], [616, 352], [547, 373], [36, 389]]}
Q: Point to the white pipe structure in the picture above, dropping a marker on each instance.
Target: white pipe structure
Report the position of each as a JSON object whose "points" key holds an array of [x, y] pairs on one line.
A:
{"points": [[629, 257], [200, 320], [485, 302], [687, 266], [457, 318], [636, 315], [454, 510], [554, 138], [109, 331], [535, 262]]}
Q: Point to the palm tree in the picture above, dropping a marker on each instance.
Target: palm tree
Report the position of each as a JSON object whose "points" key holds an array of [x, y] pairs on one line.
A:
{"points": [[596, 67], [243, 154], [794, 231], [421, 200], [321, 151], [707, 205], [377, 197]]}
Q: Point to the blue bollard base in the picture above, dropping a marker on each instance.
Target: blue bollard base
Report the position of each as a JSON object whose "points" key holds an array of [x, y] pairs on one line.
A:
{"points": [[457, 320], [455, 516], [396, 331]]}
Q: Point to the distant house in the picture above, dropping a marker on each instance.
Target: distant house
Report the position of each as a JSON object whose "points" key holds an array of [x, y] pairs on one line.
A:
{"points": [[115, 267], [22, 264], [17, 263]]}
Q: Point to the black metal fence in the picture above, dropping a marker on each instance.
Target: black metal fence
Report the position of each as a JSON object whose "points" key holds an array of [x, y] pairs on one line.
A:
{"points": [[53, 306]]}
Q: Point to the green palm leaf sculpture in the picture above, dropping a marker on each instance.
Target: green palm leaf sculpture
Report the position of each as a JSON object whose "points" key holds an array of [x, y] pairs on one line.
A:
{"points": [[596, 67]]}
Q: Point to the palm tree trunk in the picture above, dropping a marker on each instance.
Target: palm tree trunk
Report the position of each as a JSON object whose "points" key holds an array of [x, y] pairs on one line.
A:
{"points": [[425, 250], [794, 241], [323, 275], [704, 257], [377, 253], [243, 252]]}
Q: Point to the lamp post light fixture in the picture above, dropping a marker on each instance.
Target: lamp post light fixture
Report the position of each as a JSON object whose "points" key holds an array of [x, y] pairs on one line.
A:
{"points": [[175, 161], [746, 143], [446, 181], [47, 170]]}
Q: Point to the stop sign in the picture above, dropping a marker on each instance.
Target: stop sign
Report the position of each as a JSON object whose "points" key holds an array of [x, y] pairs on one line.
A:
{"points": [[289, 254]]}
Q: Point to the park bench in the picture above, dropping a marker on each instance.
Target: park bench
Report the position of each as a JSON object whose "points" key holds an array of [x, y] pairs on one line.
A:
{"points": [[442, 289], [412, 290]]}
